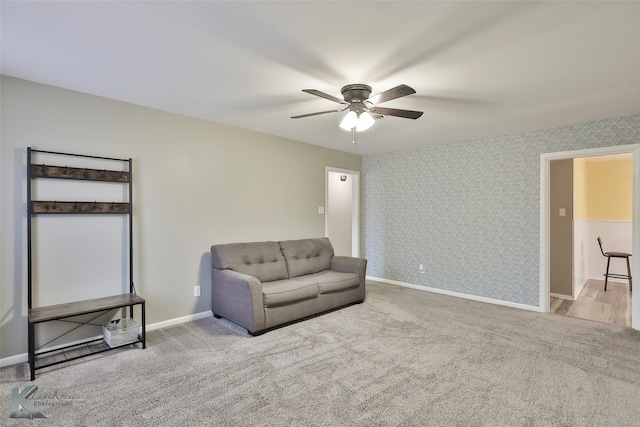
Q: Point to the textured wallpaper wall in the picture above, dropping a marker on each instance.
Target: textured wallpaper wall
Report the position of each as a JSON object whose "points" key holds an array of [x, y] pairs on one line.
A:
{"points": [[469, 211]]}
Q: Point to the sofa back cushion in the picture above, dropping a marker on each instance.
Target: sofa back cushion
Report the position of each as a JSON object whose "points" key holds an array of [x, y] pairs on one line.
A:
{"points": [[307, 256], [262, 260]]}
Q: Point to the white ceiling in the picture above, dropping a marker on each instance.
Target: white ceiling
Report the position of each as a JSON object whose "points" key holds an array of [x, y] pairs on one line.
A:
{"points": [[480, 69]]}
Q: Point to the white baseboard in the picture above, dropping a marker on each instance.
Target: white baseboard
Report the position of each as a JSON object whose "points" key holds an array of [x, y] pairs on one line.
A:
{"points": [[562, 296], [459, 294], [178, 320], [24, 357], [13, 360], [578, 290]]}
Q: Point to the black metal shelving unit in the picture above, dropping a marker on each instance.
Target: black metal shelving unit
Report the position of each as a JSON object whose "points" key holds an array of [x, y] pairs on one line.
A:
{"points": [[67, 311]]}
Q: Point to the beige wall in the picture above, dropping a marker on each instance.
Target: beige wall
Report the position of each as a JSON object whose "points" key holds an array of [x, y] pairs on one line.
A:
{"points": [[196, 183], [561, 227]]}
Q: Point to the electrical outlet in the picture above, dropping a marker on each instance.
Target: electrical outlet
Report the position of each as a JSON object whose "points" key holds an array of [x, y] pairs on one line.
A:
{"points": [[196, 291]]}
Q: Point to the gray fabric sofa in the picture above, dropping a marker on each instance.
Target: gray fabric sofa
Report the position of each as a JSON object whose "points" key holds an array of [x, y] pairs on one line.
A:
{"points": [[262, 285]]}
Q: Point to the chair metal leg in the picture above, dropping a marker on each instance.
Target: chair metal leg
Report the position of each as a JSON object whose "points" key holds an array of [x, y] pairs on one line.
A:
{"points": [[606, 275]]}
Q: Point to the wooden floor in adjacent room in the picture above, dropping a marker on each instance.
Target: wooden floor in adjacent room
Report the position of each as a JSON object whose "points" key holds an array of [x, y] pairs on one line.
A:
{"points": [[593, 303]]}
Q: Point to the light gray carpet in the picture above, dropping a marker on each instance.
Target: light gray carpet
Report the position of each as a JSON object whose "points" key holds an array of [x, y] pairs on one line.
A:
{"points": [[404, 357]]}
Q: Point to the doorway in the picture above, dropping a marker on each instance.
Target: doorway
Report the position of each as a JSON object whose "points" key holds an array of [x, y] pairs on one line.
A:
{"points": [[545, 212], [342, 215], [590, 197]]}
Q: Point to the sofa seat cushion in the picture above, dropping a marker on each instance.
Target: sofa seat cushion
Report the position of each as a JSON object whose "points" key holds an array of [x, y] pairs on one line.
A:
{"points": [[262, 260], [307, 256], [332, 281], [284, 292]]}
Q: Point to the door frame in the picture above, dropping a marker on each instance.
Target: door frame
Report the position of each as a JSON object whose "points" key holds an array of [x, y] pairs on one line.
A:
{"points": [[545, 160], [355, 205]]}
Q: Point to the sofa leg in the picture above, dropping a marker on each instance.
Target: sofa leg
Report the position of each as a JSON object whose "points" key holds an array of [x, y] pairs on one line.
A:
{"points": [[217, 316]]}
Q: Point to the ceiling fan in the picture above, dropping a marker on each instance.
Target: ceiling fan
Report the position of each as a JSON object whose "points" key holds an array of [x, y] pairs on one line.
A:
{"points": [[363, 108]]}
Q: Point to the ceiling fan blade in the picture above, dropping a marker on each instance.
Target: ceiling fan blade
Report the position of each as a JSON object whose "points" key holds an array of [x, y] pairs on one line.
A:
{"points": [[325, 96], [316, 114], [407, 114], [393, 93]]}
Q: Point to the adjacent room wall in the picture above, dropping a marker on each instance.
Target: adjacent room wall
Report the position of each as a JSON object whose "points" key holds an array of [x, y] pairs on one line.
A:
{"points": [[561, 227], [469, 211], [609, 183], [196, 183], [604, 191], [340, 212]]}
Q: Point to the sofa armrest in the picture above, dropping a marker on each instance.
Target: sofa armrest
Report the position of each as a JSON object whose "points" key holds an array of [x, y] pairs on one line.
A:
{"points": [[238, 297], [347, 264]]}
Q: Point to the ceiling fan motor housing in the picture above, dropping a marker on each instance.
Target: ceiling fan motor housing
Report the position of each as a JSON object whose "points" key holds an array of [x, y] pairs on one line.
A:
{"points": [[356, 93]]}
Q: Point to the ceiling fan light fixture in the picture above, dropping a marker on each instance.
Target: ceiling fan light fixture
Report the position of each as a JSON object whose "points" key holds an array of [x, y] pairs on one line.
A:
{"points": [[365, 121], [349, 121], [360, 122]]}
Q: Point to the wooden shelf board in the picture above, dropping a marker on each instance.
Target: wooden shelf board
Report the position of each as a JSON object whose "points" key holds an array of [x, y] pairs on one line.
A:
{"points": [[63, 172], [60, 311], [55, 207]]}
